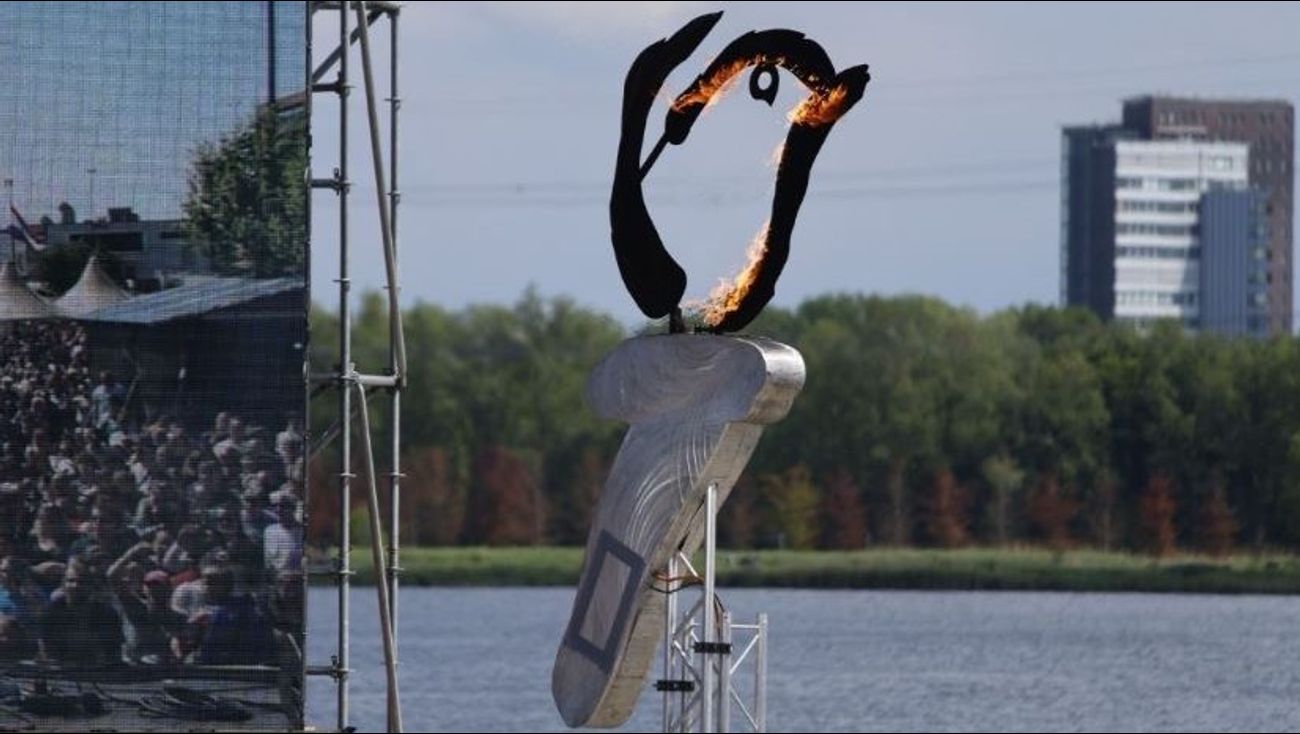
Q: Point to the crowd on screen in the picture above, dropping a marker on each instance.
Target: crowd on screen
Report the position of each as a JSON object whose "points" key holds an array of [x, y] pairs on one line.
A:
{"points": [[134, 537]]}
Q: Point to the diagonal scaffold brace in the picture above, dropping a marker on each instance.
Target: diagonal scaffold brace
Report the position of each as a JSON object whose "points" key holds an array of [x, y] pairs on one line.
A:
{"points": [[346, 378]]}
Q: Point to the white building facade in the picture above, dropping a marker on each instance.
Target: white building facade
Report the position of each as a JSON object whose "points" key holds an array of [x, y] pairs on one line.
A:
{"points": [[1158, 189]]}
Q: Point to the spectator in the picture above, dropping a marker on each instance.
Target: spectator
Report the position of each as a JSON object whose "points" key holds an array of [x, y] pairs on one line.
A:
{"points": [[237, 633], [21, 597], [151, 625], [15, 643], [79, 628], [101, 401], [109, 509], [289, 447], [282, 542], [255, 516]]}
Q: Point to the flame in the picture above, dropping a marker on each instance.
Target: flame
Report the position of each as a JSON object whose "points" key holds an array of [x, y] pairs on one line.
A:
{"points": [[726, 297], [817, 109], [778, 153], [713, 88], [820, 109]]}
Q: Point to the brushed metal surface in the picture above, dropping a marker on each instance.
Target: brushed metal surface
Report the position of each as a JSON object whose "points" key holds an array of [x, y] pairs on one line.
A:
{"points": [[696, 405]]}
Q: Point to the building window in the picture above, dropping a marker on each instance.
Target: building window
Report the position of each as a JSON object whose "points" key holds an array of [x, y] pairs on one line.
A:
{"points": [[1156, 298], [1163, 207], [1159, 253], [1221, 163], [1164, 230]]}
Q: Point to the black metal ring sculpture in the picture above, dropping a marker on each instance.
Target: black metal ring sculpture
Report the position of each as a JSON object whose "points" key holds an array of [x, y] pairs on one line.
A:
{"points": [[655, 280]]}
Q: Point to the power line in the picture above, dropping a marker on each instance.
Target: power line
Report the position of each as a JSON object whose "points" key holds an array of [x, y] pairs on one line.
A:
{"points": [[1009, 98], [536, 186], [1100, 72], [722, 200], [1052, 80]]}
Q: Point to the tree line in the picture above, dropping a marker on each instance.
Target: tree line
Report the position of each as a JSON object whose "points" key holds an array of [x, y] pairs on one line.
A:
{"points": [[920, 424]]}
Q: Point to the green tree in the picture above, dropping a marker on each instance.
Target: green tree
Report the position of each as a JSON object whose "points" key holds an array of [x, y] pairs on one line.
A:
{"points": [[790, 507], [1004, 479], [247, 203], [1059, 420], [61, 267], [1268, 456]]}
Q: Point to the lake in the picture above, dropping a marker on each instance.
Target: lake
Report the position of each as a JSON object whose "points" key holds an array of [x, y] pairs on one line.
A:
{"points": [[479, 659]]}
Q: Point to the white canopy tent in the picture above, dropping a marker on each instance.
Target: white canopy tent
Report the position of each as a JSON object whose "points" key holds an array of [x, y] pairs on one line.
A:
{"points": [[93, 291], [18, 302]]}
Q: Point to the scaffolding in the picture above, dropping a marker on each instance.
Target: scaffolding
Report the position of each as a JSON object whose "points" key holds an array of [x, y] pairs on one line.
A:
{"points": [[701, 662], [345, 378]]}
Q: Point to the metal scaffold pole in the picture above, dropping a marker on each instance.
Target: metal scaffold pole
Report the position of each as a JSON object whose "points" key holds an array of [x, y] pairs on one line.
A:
{"points": [[395, 417], [699, 660], [345, 395], [345, 377], [708, 633]]}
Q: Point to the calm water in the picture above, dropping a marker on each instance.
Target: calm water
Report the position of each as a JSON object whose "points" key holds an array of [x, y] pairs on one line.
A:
{"points": [[480, 660]]}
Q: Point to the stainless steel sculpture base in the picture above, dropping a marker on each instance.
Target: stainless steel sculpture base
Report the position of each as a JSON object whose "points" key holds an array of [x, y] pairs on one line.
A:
{"points": [[697, 405]]}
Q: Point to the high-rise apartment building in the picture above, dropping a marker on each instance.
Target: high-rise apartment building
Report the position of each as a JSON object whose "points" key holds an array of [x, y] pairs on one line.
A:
{"points": [[1268, 127], [1138, 199]]}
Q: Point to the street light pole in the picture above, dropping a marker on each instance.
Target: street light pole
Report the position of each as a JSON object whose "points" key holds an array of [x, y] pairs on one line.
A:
{"points": [[13, 255], [92, 171]]}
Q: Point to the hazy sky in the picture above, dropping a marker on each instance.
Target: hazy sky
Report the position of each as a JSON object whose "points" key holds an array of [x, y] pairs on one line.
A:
{"points": [[944, 180], [108, 101]]}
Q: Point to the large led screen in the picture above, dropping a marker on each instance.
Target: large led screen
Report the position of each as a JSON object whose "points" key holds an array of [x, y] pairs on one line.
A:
{"points": [[152, 336]]}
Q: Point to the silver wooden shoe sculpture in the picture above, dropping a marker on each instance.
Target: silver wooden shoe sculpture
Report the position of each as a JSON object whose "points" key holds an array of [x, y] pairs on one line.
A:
{"points": [[697, 405]]}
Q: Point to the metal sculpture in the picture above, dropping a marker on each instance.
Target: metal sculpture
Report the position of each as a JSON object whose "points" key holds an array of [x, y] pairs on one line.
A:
{"points": [[696, 403], [653, 277]]}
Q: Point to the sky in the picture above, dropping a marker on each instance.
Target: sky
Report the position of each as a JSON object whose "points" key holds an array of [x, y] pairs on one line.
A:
{"points": [[944, 180], [105, 102]]}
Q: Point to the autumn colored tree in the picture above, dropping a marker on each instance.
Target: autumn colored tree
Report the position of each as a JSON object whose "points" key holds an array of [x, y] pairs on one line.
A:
{"points": [[322, 505], [433, 501], [575, 477], [507, 504], [1052, 512], [1217, 526], [899, 527], [737, 521], [947, 511], [1057, 417], [1156, 510], [844, 516]]}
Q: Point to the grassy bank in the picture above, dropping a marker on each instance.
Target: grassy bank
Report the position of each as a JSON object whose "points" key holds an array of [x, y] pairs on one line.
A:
{"points": [[974, 568]]}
